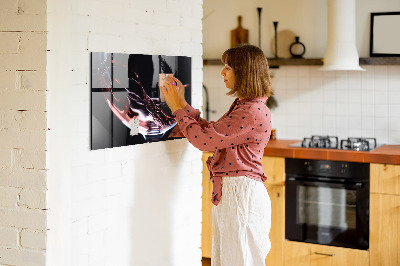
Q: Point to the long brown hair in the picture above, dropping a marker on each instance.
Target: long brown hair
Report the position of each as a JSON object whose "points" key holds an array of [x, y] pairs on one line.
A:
{"points": [[250, 66]]}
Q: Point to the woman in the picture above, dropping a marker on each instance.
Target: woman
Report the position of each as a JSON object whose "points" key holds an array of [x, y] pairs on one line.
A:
{"points": [[242, 211]]}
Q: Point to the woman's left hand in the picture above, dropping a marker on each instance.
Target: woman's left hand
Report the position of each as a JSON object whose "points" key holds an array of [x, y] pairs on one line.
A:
{"points": [[171, 95]]}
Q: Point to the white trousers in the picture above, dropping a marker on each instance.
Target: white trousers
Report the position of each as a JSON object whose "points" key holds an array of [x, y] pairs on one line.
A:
{"points": [[241, 223]]}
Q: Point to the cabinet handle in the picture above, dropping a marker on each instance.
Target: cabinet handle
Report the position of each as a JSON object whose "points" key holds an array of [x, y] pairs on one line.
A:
{"points": [[324, 254]]}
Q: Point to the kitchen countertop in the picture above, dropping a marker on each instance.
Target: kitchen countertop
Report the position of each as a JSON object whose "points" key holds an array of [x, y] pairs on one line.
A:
{"points": [[389, 154]]}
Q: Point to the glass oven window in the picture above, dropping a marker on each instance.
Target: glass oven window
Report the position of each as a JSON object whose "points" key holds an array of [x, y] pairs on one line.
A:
{"points": [[326, 207]]}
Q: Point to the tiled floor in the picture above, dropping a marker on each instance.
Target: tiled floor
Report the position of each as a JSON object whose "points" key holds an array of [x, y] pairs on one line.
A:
{"points": [[206, 261]]}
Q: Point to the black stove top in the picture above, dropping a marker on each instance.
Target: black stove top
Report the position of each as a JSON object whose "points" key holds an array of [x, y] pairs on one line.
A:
{"points": [[332, 142]]}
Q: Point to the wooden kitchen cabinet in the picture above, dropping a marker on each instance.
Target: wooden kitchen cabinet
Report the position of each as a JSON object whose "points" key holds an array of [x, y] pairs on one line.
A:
{"points": [[277, 233], [385, 215], [384, 236], [305, 254], [385, 178], [206, 225], [274, 168]]}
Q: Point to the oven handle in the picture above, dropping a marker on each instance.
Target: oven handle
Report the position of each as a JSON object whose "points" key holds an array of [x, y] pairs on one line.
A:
{"points": [[357, 185]]}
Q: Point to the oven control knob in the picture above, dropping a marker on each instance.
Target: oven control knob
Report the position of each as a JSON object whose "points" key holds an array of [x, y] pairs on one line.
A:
{"points": [[308, 166], [343, 168]]}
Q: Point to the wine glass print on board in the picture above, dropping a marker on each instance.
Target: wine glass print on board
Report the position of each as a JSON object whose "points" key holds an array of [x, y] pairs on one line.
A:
{"points": [[127, 105]]}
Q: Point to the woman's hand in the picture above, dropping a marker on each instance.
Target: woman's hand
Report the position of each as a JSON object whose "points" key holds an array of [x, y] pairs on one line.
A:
{"points": [[173, 94], [181, 91]]}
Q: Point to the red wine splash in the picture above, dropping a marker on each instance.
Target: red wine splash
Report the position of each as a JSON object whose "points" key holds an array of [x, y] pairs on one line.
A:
{"points": [[135, 104]]}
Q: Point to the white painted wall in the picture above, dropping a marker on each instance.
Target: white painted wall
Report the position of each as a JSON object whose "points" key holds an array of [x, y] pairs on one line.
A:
{"points": [[306, 19], [136, 205], [344, 103], [23, 133], [313, 102]]}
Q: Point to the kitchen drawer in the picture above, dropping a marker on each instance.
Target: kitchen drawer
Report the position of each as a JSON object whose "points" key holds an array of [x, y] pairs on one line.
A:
{"points": [[305, 254]]}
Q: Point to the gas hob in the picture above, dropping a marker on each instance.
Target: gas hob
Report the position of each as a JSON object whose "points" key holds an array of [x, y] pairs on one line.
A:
{"points": [[332, 142]]}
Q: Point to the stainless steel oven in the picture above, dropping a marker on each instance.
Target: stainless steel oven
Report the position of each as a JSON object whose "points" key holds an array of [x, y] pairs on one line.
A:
{"points": [[327, 202]]}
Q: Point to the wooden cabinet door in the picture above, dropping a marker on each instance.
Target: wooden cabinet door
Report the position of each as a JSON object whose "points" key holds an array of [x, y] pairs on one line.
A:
{"points": [[206, 226], [274, 168], [384, 237], [277, 233], [304, 254], [385, 178]]}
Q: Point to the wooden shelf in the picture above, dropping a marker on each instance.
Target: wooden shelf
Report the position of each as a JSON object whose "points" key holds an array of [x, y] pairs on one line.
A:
{"points": [[212, 62], [273, 63], [380, 61]]}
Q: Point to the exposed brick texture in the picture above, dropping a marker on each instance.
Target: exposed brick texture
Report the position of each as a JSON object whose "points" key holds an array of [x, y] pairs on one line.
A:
{"points": [[23, 125], [60, 203]]}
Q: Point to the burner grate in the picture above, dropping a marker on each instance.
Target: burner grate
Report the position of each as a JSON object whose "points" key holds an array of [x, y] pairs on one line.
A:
{"points": [[332, 142], [327, 142], [358, 144]]}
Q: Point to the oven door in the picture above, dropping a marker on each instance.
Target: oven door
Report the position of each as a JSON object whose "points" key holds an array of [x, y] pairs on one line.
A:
{"points": [[327, 213]]}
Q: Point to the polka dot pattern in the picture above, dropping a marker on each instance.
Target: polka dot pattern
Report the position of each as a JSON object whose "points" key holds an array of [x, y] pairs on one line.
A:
{"points": [[238, 139]]}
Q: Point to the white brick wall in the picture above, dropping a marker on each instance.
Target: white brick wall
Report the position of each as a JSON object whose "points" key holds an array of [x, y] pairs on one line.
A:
{"points": [[11, 256], [135, 205], [9, 237], [100, 205], [33, 239], [8, 197], [23, 132]]}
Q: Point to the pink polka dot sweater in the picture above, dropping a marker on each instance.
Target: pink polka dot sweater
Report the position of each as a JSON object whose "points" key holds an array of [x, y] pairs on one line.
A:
{"points": [[238, 140]]}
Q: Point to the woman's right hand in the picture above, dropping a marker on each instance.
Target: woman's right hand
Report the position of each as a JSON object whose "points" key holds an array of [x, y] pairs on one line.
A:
{"points": [[170, 91], [181, 91]]}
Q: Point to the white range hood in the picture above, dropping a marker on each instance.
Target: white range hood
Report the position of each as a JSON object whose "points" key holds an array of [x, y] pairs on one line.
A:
{"points": [[341, 51]]}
